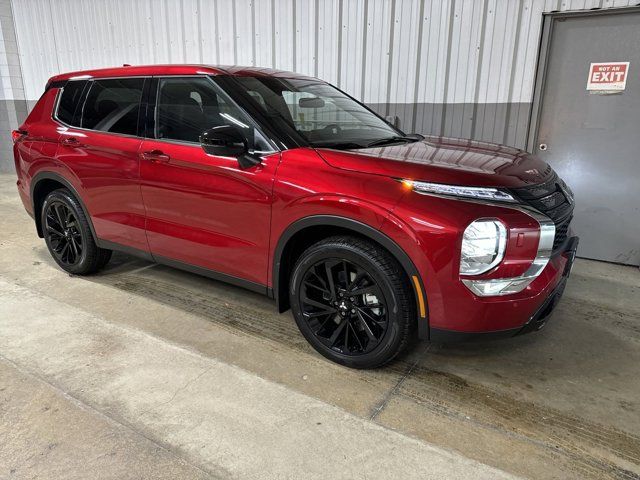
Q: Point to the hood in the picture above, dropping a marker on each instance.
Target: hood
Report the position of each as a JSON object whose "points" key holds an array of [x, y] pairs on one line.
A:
{"points": [[445, 160]]}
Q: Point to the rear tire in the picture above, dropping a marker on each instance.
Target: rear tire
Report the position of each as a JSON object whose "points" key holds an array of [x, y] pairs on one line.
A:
{"points": [[352, 301], [68, 235]]}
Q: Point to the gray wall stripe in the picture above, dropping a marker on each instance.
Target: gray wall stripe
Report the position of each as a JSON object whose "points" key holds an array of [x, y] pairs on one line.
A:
{"points": [[166, 25], [199, 15], [183, 29], [447, 71], [340, 28], [514, 56], [253, 32], [295, 34], [316, 9], [53, 33], [363, 71], [273, 33], [390, 64], [235, 32], [416, 82], [483, 36]]}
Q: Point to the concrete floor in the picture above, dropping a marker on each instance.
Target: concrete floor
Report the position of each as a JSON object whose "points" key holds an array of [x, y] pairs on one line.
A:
{"points": [[144, 371]]}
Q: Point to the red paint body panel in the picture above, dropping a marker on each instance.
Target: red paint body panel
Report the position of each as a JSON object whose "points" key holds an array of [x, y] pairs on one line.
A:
{"points": [[434, 246], [108, 168], [445, 160], [206, 211]]}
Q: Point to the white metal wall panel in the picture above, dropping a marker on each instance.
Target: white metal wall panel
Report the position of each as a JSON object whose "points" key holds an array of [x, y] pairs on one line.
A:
{"points": [[352, 52], [403, 65], [244, 28], [263, 24], [329, 43], [283, 34], [398, 54], [377, 52]]}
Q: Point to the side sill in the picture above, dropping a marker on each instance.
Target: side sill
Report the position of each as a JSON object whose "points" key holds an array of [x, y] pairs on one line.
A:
{"points": [[107, 245], [205, 272]]}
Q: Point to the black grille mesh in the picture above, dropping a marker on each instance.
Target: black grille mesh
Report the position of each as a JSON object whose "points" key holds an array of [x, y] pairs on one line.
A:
{"points": [[550, 199]]}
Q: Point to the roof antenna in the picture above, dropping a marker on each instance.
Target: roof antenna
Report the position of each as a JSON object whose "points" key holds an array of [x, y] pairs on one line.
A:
{"points": [[126, 64]]}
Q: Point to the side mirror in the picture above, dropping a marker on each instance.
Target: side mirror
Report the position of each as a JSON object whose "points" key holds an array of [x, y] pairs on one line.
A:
{"points": [[415, 136], [224, 141]]}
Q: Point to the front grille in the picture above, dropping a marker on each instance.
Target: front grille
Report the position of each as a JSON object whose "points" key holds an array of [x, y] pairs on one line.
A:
{"points": [[551, 199]]}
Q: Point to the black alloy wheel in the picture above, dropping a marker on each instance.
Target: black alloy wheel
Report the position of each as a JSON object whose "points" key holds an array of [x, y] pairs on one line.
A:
{"points": [[61, 227], [68, 234], [352, 301], [344, 306]]}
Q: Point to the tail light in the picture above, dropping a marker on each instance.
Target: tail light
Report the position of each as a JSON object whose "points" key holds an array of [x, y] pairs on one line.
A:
{"points": [[17, 135]]}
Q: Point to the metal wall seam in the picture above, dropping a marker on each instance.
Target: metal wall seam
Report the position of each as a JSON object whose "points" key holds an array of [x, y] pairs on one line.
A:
{"points": [[452, 66]]}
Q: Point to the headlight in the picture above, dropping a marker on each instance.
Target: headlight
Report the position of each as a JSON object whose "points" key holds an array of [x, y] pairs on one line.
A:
{"points": [[478, 193], [483, 245]]}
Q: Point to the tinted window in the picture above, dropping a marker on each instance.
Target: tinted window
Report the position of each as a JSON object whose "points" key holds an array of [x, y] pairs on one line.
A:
{"points": [[319, 112], [69, 102], [186, 107], [113, 105]]}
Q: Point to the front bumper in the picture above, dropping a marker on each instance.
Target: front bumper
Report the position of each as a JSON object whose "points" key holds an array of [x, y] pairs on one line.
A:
{"points": [[533, 323]]}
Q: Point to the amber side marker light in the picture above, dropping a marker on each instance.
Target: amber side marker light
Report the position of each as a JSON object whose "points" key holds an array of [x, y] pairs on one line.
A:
{"points": [[416, 282]]}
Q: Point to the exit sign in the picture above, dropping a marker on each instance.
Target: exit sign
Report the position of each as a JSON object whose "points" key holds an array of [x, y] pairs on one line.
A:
{"points": [[608, 77]]}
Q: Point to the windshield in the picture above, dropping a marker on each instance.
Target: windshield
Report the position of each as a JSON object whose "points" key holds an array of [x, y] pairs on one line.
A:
{"points": [[320, 113]]}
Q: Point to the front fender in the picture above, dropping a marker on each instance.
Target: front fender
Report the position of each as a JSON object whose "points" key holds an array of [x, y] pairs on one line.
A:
{"points": [[369, 231]]}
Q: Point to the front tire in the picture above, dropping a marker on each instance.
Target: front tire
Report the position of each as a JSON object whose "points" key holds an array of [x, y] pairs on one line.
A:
{"points": [[68, 235], [352, 301]]}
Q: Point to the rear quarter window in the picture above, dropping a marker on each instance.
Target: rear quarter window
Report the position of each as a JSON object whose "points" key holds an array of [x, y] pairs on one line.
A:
{"points": [[68, 106]]}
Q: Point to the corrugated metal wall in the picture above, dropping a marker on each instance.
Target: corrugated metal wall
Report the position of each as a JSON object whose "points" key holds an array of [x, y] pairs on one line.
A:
{"points": [[455, 67], [13, 107]]}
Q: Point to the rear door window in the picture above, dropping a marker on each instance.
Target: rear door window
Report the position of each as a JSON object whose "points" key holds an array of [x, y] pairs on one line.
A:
{"points": [[113, 106], [69, 104]]}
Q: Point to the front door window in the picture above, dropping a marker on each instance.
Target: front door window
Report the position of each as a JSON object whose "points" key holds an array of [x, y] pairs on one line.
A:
{"points": [[187, 107]]}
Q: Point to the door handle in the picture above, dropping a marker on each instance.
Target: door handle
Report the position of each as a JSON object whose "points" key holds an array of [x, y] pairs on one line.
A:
{"points": [[71, 142], [155, 156]]}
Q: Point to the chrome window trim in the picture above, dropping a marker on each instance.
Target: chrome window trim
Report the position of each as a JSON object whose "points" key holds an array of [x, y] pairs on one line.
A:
{"points": [[183, 143]]}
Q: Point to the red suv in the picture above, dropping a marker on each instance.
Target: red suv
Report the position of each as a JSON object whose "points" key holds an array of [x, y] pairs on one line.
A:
{"points": [[287, 186]]}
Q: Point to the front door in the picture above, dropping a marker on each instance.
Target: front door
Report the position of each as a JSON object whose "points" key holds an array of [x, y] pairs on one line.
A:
{"points": [[591, 137], [203, 210]]}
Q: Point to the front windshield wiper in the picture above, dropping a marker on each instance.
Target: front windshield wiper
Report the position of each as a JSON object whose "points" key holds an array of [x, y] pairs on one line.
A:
{"points": [[395, 139], [339, 145]]}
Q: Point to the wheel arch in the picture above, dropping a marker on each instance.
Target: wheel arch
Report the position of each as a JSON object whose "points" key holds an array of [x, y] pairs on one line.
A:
{"points": [[44, 183], [300, 234]]}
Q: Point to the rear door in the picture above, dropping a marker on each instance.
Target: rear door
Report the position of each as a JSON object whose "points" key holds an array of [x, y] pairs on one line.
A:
{"points": [[99, 142], [203, 210]]}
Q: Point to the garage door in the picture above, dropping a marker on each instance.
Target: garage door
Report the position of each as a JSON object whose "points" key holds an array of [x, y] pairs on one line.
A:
{"points": [[592, 136]]}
